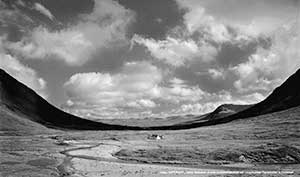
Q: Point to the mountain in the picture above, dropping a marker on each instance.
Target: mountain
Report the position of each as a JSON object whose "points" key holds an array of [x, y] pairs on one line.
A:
{"points": [[284, 97], [155, 121], [226, 110], [18, 102], [21, 106]]}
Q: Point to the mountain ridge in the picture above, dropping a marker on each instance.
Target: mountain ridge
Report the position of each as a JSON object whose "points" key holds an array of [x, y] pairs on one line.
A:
{"points": [[225, 110], [20, 99]]}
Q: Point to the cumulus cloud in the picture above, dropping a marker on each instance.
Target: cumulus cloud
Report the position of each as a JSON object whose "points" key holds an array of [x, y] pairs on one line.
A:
{"points": [[199, 38], [43, 10], [197, 20], [267, 68], [256, 73], [135, 84], [178, 91], [176, 51], [133, 89], [247, 18], [139, 86], [105, 27], [218, 30], [70, 46]]}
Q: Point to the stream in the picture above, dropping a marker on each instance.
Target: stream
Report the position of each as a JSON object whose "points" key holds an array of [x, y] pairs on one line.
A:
{"points": [[101, 152]]}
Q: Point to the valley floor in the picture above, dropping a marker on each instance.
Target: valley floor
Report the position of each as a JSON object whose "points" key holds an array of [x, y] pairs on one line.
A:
{"points": [[268, 144]]}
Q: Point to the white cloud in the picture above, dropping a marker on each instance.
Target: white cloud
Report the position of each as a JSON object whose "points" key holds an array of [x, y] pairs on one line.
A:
{"points": [[257, 27], [201, 36], [142, 103], [136, 83], [147, 103], [139, 86], [216, 73], [43, 10], [128, 93], [268, 68], [196, 19], [105, 27], [109, 11], [69, 46], [176, 81], [178, 91], [248, 19], [197, 108], [177, 52]]}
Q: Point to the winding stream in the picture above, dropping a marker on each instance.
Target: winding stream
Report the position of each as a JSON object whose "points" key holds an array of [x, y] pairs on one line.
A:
{"points": [[101, 152]]}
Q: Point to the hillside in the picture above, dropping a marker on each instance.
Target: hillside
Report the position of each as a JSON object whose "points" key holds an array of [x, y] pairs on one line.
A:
{"points": [[226, 110]]}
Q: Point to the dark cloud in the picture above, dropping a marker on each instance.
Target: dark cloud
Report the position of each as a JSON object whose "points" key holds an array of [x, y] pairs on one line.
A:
{"points": [[232, 54], [154, 18], [67, 11]]}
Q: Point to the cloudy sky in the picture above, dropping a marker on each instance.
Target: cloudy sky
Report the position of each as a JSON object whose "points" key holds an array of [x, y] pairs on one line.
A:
{"points": [[141, 58]]}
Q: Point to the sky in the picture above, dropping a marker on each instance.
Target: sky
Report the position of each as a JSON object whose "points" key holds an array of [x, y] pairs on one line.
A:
{"points": [[149, 58]]}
